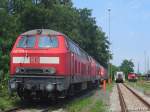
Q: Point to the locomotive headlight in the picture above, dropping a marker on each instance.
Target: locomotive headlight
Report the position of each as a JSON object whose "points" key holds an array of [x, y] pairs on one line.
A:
{"points": [[17, 70], [49, 87], [22, 70], [50, 70]]}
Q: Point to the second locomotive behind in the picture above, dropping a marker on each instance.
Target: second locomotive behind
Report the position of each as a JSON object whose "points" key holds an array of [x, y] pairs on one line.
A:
{"points": [[119, 77]]}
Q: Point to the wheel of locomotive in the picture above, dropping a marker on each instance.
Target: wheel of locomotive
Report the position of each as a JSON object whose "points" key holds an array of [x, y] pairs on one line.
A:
{"points": [[20, 93], [25, 95], [97, 83], [71, 91]]}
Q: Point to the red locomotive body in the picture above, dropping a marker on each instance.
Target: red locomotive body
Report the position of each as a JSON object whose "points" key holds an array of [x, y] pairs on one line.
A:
{"points": [[46, 63], [132, 77]]}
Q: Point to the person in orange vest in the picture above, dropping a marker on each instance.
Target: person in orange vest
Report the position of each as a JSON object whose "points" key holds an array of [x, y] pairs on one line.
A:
{"points": [[102, 74]]}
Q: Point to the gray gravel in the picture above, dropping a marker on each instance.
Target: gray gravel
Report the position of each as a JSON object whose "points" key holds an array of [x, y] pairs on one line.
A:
{"points": [[132, 102], [145, 97], [114, 100]]}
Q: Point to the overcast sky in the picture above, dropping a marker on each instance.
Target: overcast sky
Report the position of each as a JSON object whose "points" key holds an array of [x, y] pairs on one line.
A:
{"points": [[130, 27]]}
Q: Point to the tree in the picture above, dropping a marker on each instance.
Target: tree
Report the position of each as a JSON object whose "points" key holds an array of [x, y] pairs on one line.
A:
{"points": [[17, 16], [93, 39], [75, 23], [113, 69], [127, 66]]}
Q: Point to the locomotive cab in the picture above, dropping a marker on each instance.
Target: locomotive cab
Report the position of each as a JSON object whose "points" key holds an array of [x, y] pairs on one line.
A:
{"points": [[36, 51]]}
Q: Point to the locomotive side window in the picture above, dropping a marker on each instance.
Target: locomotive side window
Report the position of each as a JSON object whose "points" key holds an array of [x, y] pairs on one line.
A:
{"points": [[48, 42], [74, 48], [26, 42], [71, 46]]}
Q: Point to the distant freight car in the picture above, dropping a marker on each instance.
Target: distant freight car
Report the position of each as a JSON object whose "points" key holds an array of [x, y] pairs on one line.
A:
{"points": [[119, 77], [132, 77], [46, 64]]}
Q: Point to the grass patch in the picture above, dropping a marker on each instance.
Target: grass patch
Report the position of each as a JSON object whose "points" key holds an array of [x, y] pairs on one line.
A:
{"points": [[109, 87], [97, 102], [7, 101], [79, 104], [98, 107], [141, 85]]}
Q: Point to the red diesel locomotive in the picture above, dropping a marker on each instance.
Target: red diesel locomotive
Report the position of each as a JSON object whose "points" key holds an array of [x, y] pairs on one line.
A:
{"points": [[132, 77], [45, 64]]}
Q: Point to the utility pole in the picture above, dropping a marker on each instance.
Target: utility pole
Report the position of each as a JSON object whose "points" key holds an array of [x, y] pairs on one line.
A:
{"points": [[109, 65], [145, 60], [147, 64], [138, 69], [109, 10]]}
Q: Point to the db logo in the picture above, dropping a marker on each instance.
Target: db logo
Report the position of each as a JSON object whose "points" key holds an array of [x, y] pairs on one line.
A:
{"points": [[34, 60]]}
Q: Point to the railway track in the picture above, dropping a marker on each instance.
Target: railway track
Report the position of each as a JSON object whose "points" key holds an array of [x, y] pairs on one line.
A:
{"points": [[43, 106], [13, 109], [38, 108], [51, 106], [131, 101]]}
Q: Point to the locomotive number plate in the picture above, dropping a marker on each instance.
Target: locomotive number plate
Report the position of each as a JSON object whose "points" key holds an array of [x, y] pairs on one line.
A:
{"points": [[34, 60]]}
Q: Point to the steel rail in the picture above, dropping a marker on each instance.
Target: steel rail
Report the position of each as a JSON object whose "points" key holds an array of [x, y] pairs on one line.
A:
{"points": [[122, 102], [14, 109], [139, 97]]}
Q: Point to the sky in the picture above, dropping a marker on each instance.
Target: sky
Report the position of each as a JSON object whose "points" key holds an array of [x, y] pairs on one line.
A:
{"points": [[129, 28]]}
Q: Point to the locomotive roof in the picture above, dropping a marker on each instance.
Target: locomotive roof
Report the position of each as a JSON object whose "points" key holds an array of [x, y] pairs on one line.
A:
{"points": [[42, 31], [49, 32]]}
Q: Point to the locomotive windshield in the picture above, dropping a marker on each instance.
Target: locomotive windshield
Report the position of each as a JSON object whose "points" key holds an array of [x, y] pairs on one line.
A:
{"points": [[48, 42], [26, 42], [43, 42]]}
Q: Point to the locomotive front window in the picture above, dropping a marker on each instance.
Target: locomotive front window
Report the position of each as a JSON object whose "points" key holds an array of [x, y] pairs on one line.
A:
{"points": [[48, 42], [26, 42]]}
